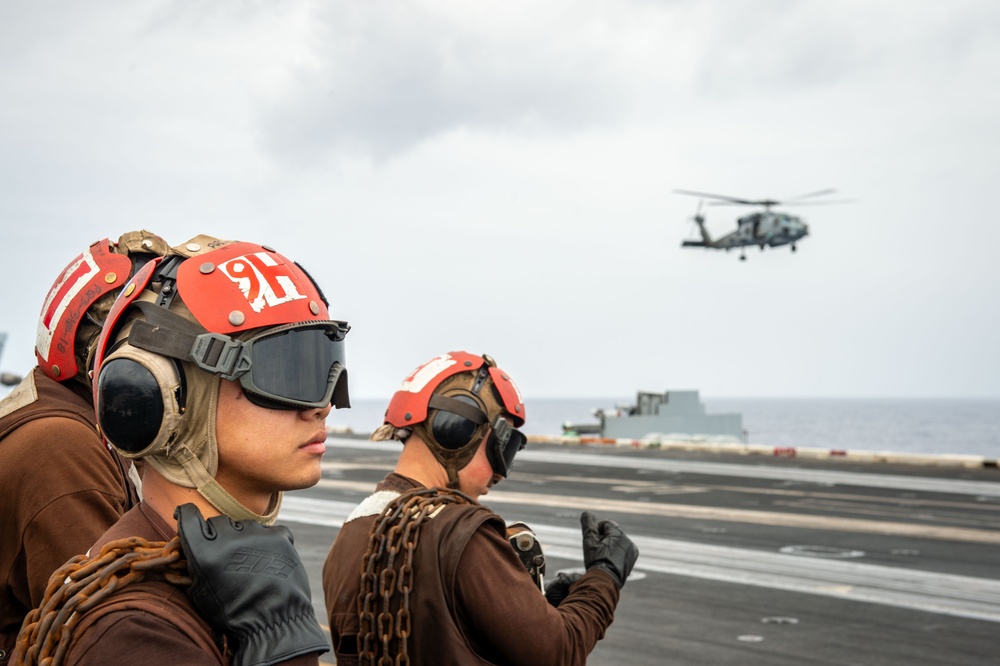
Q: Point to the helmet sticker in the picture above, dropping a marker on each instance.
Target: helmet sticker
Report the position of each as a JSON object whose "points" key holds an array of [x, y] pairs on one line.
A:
{"points": [[62, 296], [263, 281], [419, 378]]}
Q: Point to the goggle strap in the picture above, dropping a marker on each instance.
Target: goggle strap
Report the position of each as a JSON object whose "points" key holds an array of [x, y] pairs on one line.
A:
{"points": [[160, 340], [160, 316], [169, 334], [458, 407]]}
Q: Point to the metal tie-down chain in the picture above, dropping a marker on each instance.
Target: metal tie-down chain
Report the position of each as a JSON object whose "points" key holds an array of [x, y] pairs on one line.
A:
{"points": [[397, 528], [84, 582]]}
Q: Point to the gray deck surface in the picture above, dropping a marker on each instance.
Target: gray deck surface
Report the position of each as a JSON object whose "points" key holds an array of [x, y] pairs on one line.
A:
{"points": [[744, 560]]}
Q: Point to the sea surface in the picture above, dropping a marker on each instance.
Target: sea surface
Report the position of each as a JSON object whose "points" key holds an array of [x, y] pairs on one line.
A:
{"points": [[959, 426]]}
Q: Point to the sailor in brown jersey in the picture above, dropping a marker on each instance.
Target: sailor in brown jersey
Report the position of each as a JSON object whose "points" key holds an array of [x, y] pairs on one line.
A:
{"points": [[60, 486], [420, 571], [217, 367]]}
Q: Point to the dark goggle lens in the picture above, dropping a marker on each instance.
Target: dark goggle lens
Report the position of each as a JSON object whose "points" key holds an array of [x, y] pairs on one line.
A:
{"points": [[504, 444], [297, 366]]}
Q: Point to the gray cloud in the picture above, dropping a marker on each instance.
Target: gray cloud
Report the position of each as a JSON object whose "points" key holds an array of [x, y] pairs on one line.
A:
{"points": [[383, 79], [757, 48], [517, 159]]}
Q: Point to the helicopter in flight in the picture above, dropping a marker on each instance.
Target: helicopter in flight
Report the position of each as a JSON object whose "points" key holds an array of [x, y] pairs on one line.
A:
{"points": [[764, 228]]}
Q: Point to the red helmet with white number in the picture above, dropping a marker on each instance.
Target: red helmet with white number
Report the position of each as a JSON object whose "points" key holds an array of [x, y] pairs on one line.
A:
{"points": [[75, 307], [452, 402], [215, 309]]}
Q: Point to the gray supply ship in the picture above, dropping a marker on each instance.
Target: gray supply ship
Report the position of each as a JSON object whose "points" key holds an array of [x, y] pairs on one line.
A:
{"points": [[673, 415]]}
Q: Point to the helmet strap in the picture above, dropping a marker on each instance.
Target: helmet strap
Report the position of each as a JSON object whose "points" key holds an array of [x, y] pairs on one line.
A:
{"points": [[218, 496], [452, 477]]}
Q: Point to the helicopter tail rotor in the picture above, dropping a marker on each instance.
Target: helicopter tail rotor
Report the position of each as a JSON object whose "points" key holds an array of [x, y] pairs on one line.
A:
{"points": [[699, 219]]}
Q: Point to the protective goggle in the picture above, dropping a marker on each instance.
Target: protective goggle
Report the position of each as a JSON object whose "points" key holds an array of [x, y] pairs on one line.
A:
{"points": [[295, 366], [505, 441]]}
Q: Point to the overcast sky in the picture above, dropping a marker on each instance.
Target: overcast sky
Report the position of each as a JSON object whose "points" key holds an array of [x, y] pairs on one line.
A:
{"points": [[499, 176]]}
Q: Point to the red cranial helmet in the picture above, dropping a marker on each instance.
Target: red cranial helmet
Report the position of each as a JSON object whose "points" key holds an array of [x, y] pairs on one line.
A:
{"points": [[453, 401], [73, 310]]}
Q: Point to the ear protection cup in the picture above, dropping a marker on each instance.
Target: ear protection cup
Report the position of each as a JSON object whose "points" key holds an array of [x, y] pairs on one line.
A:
{"points": [[453, 431], [139, 401], [131, 410]]}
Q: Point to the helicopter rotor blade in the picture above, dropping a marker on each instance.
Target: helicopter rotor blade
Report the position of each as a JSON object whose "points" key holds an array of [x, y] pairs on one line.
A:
{"points": [[832, 202], [773, 202], [745, 202], [723, 200], [735, 200], [810, 194]]}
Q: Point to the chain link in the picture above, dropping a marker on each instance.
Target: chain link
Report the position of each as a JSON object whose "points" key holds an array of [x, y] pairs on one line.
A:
{"points": [[387, 575], [84, 582]]}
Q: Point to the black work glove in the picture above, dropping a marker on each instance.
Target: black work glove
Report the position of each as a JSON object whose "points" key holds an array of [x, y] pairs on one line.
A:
{"points": [[249, 583], [606, 547], [557, 589]]}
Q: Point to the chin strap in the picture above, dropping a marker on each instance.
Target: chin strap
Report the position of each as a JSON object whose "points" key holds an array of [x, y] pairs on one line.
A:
{"points": [[219, 496], [452, 477]]}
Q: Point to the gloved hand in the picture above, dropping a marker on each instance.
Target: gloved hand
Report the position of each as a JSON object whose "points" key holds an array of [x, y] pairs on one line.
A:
{"points": [[557, 588], [606, 547], [249, 583]]}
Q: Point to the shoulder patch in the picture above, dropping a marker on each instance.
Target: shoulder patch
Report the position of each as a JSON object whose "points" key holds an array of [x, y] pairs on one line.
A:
{"points": [[373, 504], [23, 395]]}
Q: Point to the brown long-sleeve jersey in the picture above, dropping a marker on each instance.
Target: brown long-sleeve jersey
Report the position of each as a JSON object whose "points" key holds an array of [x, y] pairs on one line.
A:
{"points": [[60, 489], [472, 602]]}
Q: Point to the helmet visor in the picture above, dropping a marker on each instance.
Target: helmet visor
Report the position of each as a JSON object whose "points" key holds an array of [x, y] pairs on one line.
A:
{"points": [[296, 366], [505, 441]]}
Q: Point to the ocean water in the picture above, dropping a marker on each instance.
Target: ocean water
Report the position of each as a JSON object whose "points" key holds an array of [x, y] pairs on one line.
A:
{"points": [[912, 425]]}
